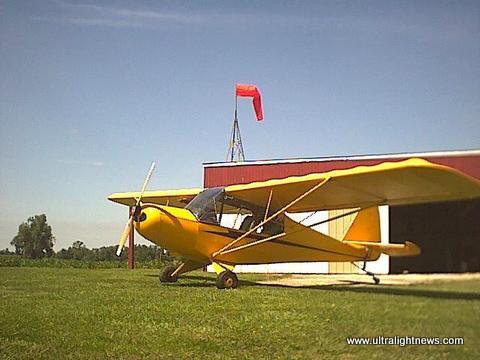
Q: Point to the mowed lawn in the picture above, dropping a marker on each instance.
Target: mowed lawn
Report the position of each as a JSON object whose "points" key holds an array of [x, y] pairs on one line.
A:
{"points": [[116, 313]]}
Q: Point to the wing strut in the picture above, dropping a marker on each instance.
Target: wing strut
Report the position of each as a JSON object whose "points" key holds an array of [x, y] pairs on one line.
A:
{"points": [[268, 205], [271, 217]]}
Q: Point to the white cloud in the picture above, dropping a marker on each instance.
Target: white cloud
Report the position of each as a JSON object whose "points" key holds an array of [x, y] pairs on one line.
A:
{"points": [[98, 15], [80, 162], [68, 161], [415, 27], [101, 22]]}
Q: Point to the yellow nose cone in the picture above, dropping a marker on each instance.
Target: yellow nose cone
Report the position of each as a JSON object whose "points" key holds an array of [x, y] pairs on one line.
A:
{"points": [[149, 221], [172, 228]]}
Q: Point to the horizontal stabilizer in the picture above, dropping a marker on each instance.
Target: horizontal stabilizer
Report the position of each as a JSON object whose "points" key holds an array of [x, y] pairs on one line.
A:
{"points": [[396, 250]]}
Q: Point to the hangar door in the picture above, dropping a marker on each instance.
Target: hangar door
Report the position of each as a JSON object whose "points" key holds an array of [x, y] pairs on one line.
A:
{"points": [[448, 234]]}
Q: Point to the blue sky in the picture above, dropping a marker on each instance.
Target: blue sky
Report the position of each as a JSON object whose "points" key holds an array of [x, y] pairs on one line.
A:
{"points": [[92, 91]]}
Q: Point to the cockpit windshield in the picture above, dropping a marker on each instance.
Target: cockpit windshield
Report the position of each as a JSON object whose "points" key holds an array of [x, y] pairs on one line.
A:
{"points": [[207, 205], [214, 206]]}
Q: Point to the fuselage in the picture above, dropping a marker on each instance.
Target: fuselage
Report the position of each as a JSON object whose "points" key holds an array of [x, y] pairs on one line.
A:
{"points": [[178, 230]]}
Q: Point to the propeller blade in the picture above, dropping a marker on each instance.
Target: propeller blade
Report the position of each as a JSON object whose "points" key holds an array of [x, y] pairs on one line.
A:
{"points": [[123, 238], [128, 226], [145, 183]]}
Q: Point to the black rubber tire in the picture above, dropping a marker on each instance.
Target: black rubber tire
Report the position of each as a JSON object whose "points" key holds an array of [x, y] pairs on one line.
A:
{"points": [[227, 280], [166, 274]]}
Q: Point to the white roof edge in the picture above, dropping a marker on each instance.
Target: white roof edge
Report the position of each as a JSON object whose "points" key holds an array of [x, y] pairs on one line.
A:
{"points": [[451, 153]]}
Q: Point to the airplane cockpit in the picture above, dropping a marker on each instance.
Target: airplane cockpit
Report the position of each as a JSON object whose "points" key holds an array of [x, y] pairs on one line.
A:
{"points": [[207, 205], [214, 206]]}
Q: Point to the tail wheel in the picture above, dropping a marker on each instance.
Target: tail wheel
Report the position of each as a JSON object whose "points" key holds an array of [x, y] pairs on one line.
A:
{"points": [[166, 274], [227, 280]]}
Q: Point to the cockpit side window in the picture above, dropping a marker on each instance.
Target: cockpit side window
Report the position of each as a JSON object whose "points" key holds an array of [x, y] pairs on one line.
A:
{"points": [[242, 215], [214, 206]]}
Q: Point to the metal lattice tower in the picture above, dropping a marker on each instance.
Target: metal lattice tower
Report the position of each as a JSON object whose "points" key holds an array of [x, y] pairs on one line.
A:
{"points": [[235, 147]]}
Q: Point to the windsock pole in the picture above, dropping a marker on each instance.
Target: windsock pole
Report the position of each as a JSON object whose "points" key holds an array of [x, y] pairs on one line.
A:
{"points": [[131, 244]]}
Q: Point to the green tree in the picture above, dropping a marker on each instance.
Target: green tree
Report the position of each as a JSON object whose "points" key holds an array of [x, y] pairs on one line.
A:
{"points": [[6, 252], [79, 251], [78, 244], [34, 238]]}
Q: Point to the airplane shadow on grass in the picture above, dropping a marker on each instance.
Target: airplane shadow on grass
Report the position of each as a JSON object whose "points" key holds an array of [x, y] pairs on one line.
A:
{"points": [[349, 286]]}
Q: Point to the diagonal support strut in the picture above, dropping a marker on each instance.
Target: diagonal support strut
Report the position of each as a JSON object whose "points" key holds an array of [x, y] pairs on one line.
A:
{"points": [[271, 217]]}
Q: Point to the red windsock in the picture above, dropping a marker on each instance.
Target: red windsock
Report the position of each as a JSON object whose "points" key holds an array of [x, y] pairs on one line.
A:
{"points": [[251, 91]]}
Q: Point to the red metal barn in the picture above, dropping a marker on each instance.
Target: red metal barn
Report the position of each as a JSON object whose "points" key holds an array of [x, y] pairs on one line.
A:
{"points": [[448, 233]]}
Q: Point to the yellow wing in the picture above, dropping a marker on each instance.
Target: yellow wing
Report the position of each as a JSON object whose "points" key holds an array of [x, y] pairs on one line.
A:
{"points": [[391, 183], [177, 198]]}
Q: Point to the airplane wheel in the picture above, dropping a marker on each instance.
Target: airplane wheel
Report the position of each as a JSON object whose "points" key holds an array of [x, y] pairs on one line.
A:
{"points": [[377, 280], [166, 274], [227, 280]]}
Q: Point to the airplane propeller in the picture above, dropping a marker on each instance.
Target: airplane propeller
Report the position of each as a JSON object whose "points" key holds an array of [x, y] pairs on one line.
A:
{"points": [[135, 212]]}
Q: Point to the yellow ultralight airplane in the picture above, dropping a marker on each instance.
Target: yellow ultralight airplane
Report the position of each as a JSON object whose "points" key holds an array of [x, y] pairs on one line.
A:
{"points": [[188, 221]]}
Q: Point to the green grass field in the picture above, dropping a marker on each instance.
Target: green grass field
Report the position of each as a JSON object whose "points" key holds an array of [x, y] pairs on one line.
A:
{"points": [[116, 313]]}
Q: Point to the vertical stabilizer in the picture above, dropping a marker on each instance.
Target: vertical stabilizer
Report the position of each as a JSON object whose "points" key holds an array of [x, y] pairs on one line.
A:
{"points": [[365, 227]]}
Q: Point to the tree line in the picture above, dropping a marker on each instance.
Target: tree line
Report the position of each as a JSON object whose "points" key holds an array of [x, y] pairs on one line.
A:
{"points": [[35, 240], [78, 251]]}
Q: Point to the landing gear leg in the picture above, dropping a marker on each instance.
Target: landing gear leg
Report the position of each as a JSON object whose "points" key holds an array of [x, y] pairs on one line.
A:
{"points": [[171, 273], [227, 280]]}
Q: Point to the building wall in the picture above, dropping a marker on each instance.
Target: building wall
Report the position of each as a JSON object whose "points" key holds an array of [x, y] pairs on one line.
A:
{"points": [[382, 265], [338, 229]]}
